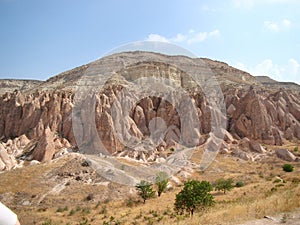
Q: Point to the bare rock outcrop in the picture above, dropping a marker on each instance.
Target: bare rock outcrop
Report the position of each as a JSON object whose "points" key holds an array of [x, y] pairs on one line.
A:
{"points": [[47, 145], [285, 155], [7, 161], [42, 118], [264, 116]]}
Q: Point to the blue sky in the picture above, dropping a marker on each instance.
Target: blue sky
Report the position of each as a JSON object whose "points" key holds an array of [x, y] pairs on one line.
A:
{"points": [[41, 38]]}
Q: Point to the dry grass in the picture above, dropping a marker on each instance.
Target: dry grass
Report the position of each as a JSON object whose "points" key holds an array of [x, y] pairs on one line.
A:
{"points": [[259, 196]]}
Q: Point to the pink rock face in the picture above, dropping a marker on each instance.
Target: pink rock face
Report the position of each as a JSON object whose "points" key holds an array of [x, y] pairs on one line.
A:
{"points": [[262, 117], [266, 117], [6, 161], [44, 114], [45, 148]]}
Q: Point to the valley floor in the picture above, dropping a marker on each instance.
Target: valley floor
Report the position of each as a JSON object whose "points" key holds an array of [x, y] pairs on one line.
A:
{"points": [[65, 192]]}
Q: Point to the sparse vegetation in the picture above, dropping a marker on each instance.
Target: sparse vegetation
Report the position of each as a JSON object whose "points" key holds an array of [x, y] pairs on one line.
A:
{"points": [[61, 209], [287, 168], [239, 183], [195, 196], [145, 190], [254, 200], [103, 210], [48, 222], [72, 212], [161, 182], [84, 221], [296, 149], [223, 185]]}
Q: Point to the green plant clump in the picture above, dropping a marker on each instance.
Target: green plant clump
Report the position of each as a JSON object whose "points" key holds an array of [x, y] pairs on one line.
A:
{"points": [[239, 183], [287, 168]]}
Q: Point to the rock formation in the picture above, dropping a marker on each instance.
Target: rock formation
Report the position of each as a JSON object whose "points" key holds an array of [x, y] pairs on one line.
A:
{"points": [[38, 121]]}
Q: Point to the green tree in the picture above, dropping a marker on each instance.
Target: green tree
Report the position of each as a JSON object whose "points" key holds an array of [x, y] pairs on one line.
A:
{"points": [[161, 182], [223, 185], [145, 190], [195, 195]]}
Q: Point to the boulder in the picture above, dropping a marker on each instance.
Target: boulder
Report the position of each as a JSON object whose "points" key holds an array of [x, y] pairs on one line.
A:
{"points": [[256, 147], [285, 154], [241, 155], [7, 161], [45, 148]]}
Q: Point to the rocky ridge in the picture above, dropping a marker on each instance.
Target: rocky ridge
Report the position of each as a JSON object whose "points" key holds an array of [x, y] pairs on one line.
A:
{"points": [[36, 122]]}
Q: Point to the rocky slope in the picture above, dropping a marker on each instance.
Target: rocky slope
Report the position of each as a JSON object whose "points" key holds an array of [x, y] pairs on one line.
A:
{"points": [[36, 122], [7, 85]]}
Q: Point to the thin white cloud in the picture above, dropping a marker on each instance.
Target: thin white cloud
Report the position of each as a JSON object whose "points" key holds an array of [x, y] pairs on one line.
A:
{"points": [[179, 38], [157, 37], [293, 67], [285, 24], [202, 36], [191, 37], [249, 4], [271, 26], [287, 72]]}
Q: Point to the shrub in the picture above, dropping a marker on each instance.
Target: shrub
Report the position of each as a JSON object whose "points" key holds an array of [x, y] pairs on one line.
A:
{"points": [[103, 210], [296, 149], [47, 222], [273, 189], [161, 182], [130, 202], [287, 168], [84, 221], [239, 183], [72, 212], [145, 190], [195, 195], [60, 209], [223, 185], [86, 210]]}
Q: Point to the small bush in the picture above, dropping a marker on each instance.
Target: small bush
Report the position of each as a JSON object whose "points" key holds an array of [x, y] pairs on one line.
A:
{"points": [[86, 210], [277, 180], [130, 202], [296, 149], [288, 168], [273, 189], [103, 210], [72, 212], [60, 209], [84, 222], [47, 222], [239, 183]]}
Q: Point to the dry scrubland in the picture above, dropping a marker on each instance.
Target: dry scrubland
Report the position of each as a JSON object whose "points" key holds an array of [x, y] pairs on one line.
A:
{"points": [[267, 190]]}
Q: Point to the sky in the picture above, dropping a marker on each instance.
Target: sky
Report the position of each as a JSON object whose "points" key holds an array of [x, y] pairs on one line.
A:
{"points": [[42, 38]]}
